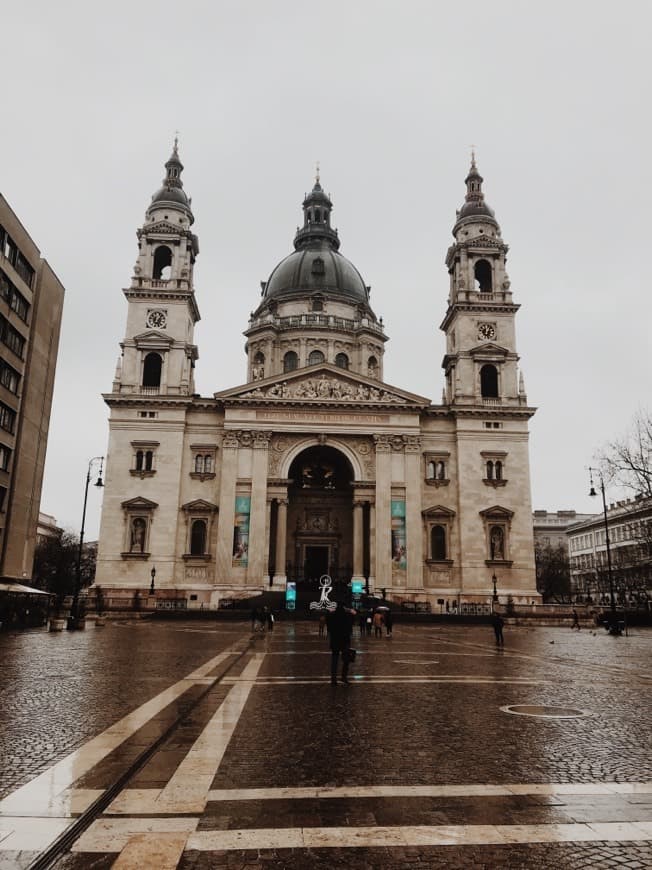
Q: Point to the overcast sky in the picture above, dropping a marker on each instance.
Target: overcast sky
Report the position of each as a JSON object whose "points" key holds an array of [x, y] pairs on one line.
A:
{"points": [[389, 96]]}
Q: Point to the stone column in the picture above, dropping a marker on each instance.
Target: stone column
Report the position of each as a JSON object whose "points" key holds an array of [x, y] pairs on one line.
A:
{"points": [[280, 577], [383, 511], [358, 508], [257, 566], [372, 546], [413, 518], [226, 518], [268, 537]]}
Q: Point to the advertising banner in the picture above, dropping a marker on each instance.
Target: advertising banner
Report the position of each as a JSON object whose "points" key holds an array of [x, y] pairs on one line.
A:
{"points": [[399, 547], [241, 531]]}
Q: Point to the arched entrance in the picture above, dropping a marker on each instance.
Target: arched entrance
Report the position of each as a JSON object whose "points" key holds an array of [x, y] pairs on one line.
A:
{"points": [[319, 517]]}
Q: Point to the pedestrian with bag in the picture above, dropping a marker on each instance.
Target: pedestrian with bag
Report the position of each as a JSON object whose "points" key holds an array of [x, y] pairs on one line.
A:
{"points": [[378, 624], [340, 629]]}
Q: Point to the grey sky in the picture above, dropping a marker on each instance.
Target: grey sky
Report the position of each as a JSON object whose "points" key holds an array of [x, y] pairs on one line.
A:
{"points": [[388, 96]]}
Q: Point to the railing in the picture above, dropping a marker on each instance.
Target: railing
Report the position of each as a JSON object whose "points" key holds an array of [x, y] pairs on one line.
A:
{"points": [[319, 321], [491, 403], [149, 391]]}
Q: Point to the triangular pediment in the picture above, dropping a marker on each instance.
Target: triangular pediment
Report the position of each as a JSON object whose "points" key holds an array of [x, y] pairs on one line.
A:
{"points": [[164, 227], [497, 512], [199, 505], [139, 503], [153, 338], [323, 384], [438, 510], [489, 348]]}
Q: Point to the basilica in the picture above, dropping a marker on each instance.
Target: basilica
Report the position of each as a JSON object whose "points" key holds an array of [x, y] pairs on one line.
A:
{"points": [[314, 465]]}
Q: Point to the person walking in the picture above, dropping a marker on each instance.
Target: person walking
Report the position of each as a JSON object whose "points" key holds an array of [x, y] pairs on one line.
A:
{"points": [[576, 620], [270, 621], [498, 623], [389, 622], [378, 624], [340, 628], [362, 623], [254, 618], [322, 624]]}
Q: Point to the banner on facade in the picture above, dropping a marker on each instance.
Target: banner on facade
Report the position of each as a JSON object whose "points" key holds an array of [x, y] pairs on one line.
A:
{"points": [[241, 531], [399, 546]]}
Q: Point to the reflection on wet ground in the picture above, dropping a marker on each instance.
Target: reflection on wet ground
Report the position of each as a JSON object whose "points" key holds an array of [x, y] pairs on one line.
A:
{"points": [[243, 753]]}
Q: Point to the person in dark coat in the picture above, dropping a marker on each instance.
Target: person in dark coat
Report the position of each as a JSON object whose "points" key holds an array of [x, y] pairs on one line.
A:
{"points": [[340, 628], [497, 622], [389, 622]]}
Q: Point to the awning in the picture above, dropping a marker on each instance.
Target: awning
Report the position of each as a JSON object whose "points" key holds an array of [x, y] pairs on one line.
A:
{"points": [[19, 589]]}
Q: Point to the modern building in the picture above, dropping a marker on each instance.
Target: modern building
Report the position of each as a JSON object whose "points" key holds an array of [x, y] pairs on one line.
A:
{"points": [[550, 528], [31, 304], [47, 528], [630, 544], [314, 465]]}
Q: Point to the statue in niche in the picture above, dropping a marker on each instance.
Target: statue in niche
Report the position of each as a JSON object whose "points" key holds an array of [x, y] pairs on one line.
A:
{"points": [[497, 542], [137, 541]]}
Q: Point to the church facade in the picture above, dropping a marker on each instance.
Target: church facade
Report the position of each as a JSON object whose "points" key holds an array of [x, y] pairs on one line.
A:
{"points": [[314, 465]]}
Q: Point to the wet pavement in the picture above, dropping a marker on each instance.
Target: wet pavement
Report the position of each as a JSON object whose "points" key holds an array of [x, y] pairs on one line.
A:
{"points": [[248, 757]]}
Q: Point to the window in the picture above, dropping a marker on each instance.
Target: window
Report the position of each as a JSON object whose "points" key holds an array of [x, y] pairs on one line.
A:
{"points": [[438, 543], [318, 267], [152, 370], [482, 271], [9, 377], [489, 381], [198, 538], [490, 470], [11, 338], [436, 468], [494, 467], [342, 361], [203, 461], [316, 357], [3, 496], [5, 457], [200, 516], [144, 458], [7, 418], [13, 297], [290, 361], [162, 263]]}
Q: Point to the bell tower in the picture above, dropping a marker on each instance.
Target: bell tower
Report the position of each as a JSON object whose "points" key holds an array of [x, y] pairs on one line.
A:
{"points": [[158, 353], [481, 363]]}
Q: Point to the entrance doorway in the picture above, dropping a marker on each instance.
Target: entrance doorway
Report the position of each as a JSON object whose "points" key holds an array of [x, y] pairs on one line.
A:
{"points": [[316, 562]]}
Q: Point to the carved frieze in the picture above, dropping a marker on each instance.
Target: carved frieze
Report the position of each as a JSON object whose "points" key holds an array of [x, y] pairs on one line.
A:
{"points": [[324, 388]]}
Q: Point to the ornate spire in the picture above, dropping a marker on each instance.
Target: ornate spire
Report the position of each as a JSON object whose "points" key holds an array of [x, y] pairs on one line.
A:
{"points": [[172, 194], [475, 209], [316, 228]]}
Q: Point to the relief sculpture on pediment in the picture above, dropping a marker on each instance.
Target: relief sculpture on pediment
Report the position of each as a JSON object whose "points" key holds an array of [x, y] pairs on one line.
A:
{"points": [[324, 388]]}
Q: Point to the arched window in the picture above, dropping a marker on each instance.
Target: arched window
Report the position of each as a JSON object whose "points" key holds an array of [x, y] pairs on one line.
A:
{"points": [[316, 357], [317, 215], [490, 470], [441, 470], [342, 361], [290, 361], [149, 458], [309, 215], [498, 468], [152, 370], [372, 367], [482, 272], [199, 464], [162, 263], [259, 359], [438, 543], [139, 460], [489, 382], [431, 471], [208, 463], [198, 538]]}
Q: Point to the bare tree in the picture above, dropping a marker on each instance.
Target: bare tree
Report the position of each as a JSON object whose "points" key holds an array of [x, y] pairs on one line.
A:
{"points": [[553, 572], [628, 460]]}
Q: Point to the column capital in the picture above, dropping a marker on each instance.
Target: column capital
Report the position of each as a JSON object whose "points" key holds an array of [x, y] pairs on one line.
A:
{"points": [[282, 502], [261, 439], [382, 443], [412, 443], [230, 441], [359, 503]]}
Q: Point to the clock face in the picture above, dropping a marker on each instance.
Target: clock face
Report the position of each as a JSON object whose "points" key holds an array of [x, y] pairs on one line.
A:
{"points": [[486, 331], [157, 318]]}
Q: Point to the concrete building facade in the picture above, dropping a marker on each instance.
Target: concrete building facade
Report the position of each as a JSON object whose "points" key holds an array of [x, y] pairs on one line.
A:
{"points": [[31, 305], [314, 465]]}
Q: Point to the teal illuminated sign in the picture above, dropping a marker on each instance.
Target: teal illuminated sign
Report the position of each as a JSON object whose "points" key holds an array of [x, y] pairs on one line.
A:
{"points": [[357, 587]]}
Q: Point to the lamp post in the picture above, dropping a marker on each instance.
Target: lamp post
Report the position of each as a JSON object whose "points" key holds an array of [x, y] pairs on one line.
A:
{"points": [[613, 619], [494, 580], [153, 575], [73, 622]]}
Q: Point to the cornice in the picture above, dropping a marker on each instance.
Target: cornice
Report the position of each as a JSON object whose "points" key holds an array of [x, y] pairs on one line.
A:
{"points": [[485, 307]]}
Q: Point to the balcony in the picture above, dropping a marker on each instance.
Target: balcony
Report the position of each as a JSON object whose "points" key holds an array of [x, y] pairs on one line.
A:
{"points": [[317, 321]]}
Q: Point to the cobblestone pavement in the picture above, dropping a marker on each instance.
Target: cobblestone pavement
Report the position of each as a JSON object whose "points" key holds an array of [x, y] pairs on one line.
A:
{"points": [[416, 763]]}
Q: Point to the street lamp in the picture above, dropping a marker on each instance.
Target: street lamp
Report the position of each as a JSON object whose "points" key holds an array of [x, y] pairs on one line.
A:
{"points": [[494, 580], [613, 619], [74, 613], [153, 575]]}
